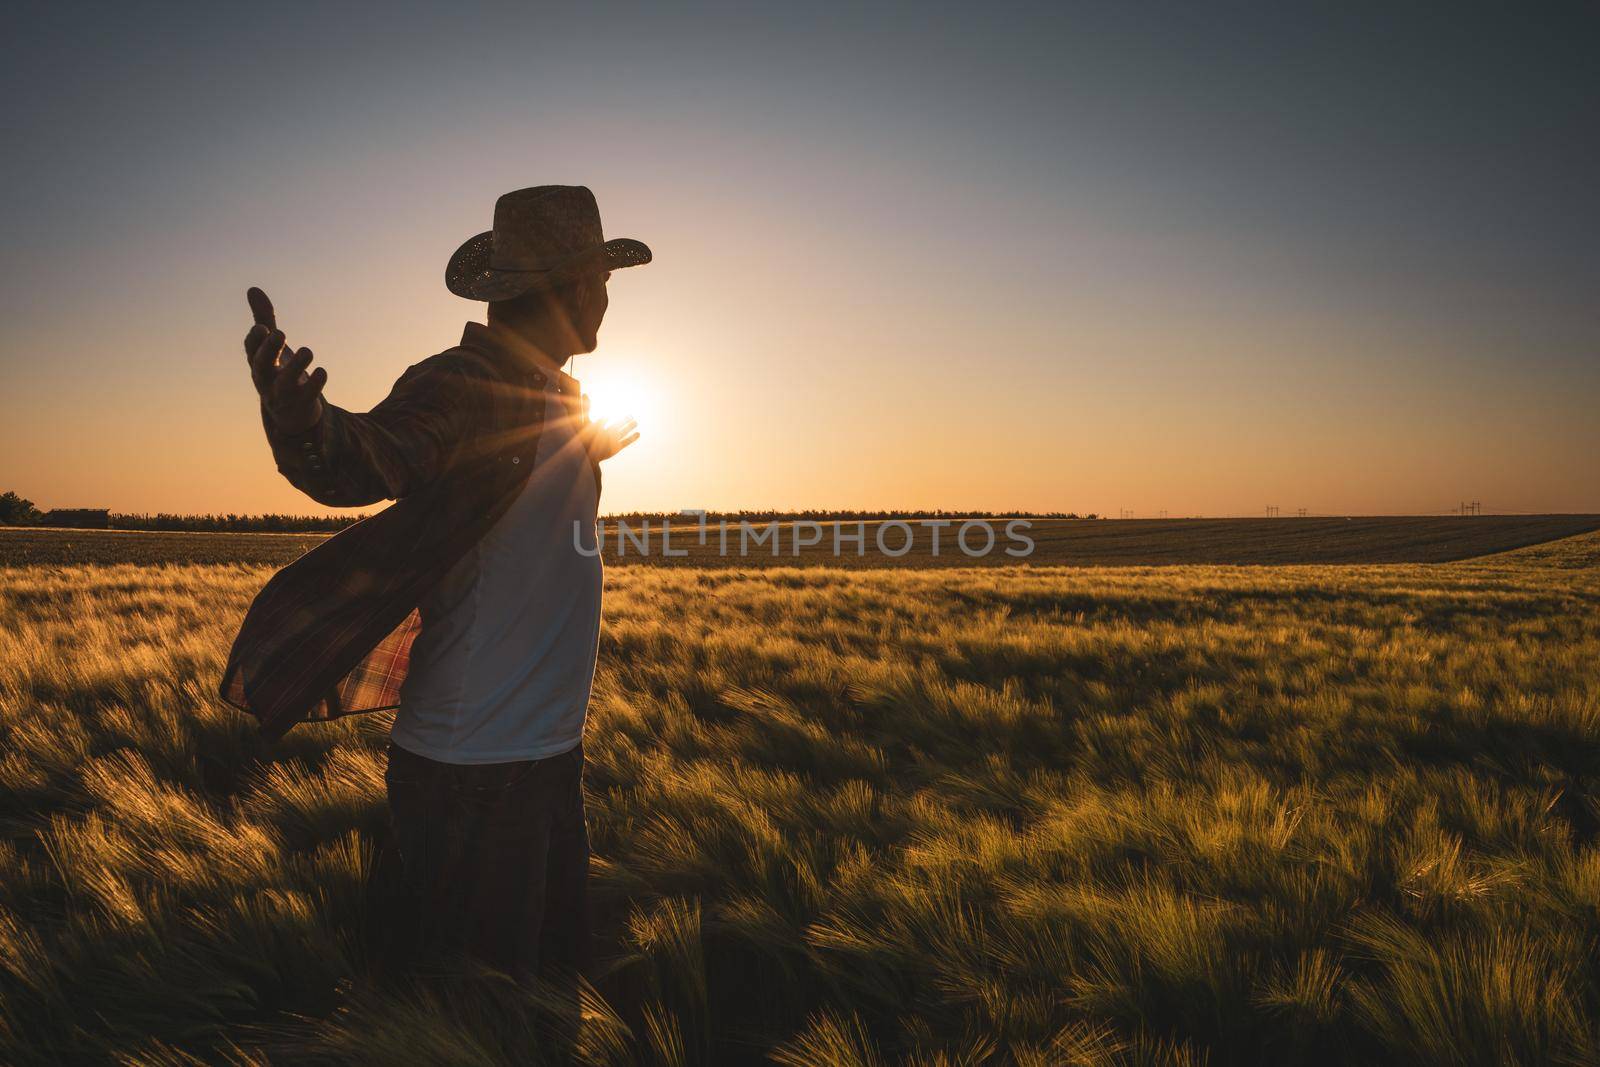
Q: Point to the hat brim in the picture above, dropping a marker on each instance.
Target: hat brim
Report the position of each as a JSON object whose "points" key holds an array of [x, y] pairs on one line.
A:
{"points": [[470, 275]]}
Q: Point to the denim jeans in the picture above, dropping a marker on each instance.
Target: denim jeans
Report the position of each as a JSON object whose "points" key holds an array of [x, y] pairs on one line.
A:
{"points": [[487, 860]]}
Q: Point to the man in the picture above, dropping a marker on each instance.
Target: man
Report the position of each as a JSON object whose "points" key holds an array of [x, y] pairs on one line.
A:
{"points": [[468, 605]]}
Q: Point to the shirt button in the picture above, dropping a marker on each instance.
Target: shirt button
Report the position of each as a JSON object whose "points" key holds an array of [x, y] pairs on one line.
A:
{"points": [[516, 459]]}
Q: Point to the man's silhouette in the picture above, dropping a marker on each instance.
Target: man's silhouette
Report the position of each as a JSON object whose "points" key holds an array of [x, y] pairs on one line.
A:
{"points": [[467, 606]]}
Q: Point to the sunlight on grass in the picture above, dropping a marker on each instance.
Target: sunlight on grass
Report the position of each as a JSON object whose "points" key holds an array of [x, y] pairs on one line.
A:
{"points": [[1291, 814]]}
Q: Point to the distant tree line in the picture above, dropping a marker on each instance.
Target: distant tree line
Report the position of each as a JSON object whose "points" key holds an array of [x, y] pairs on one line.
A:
{"points": [[231, 523], [840, 515], [16, 511]]}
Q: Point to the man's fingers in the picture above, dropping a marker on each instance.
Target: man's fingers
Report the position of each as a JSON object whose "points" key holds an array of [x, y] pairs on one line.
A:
{"points": [[293, 367], [306, 389], [252, 341], [312, 386], [263, 361], [626, 441], [257, 333], [261, 308], [268, 347]]}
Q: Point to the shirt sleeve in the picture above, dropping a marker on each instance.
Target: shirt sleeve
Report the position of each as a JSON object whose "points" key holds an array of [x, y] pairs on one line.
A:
{"points": [[351, 459]]}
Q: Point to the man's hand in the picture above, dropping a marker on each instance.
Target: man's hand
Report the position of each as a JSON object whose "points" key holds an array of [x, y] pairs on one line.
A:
{"points": [[292, 397], [604, 440]]}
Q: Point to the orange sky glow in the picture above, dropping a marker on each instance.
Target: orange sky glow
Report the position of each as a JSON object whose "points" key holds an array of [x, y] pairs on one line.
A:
{"points": [[869, 291]]}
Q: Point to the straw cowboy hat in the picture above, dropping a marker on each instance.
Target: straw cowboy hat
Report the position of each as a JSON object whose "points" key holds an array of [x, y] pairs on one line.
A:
{"points": [[542, 236]]}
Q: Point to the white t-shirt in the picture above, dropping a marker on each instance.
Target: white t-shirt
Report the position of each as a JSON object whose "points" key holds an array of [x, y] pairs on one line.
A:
{"points": [[504, 662]]}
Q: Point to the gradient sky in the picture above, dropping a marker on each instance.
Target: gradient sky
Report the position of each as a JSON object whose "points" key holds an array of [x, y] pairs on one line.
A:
{"points": [[1200, 258]]}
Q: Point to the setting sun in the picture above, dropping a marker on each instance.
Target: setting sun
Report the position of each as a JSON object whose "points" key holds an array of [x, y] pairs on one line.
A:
{"points": [[617, 391]]}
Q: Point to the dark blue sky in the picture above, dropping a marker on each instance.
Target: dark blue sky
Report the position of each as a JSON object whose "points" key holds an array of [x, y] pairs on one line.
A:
{"points": [[1200, 257]]}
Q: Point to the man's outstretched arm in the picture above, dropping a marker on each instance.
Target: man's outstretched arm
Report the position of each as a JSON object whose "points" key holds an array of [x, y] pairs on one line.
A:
{"points": [[342, 458]]}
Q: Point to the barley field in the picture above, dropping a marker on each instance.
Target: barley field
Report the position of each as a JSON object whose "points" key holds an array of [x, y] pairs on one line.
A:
{"points": [[1127, 815]]}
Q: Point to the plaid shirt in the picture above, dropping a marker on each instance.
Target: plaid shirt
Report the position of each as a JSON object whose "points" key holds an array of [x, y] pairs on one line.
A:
{"points": [[453, 443]]}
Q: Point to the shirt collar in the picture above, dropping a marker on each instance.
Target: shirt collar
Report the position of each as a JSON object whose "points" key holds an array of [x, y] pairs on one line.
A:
{"points": [[517, 353]]}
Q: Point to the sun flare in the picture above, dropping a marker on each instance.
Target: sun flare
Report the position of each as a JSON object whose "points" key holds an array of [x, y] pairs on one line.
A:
{"points": [[619, 392]]}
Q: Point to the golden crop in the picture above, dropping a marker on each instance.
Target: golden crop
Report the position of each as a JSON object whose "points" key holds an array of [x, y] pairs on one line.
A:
{"points": [[1034, 816]]}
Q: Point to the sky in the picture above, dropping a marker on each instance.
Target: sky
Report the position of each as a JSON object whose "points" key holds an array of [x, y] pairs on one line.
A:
{"points": [[1181, 259]]}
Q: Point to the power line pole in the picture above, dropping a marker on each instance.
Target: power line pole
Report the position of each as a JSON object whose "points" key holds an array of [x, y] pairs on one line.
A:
{"points": [[1272, 511]]}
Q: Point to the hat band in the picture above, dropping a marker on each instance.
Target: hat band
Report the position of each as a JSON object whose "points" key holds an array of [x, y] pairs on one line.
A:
{"points": [[521, 268], [560, 259]]}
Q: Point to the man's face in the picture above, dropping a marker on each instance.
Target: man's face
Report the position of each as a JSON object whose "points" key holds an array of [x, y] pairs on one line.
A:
{"points": [[591, 311]]}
